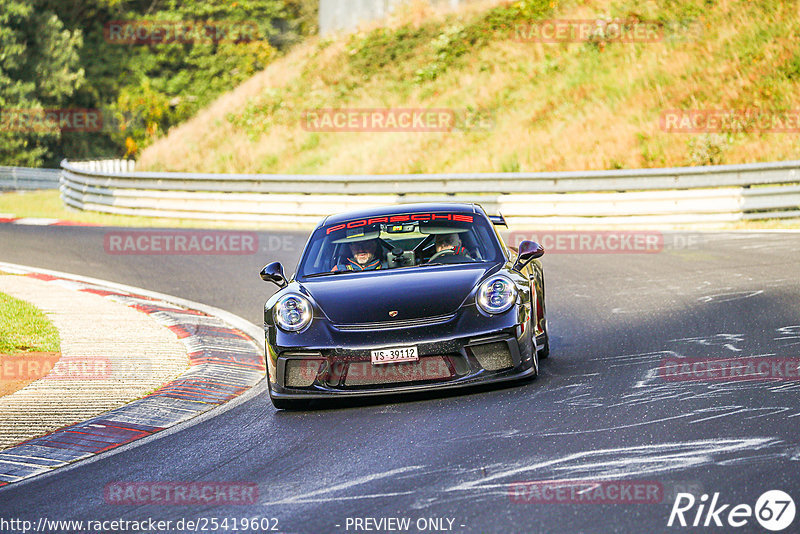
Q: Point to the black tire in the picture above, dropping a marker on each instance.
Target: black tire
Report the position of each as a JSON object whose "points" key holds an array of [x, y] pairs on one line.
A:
{"points": [[536, 366], [289, 404], [534, 357], [545, 352]]}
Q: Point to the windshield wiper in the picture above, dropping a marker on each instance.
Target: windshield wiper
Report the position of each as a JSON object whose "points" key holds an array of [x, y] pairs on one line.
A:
{"points": [[328, 273]]}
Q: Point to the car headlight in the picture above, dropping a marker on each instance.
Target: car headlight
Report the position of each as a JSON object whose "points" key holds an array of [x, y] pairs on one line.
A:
{"points": [[496, 295], [292, 313]]}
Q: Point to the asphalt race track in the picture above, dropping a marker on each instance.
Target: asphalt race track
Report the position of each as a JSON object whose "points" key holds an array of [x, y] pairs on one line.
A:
{"points": [[598, 411]]}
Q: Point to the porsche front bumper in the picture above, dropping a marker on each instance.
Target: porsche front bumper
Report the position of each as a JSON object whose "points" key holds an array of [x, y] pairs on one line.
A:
{"points": [[484, 351]]}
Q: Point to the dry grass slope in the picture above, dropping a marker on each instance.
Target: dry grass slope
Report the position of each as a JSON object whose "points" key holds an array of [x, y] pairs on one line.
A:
{"points": [[565, 106]]}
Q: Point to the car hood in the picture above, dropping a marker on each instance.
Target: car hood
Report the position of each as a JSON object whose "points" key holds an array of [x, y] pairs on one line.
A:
{"points": [[356, 298]]}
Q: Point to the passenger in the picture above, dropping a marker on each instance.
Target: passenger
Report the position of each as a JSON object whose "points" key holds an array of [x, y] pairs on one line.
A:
{"points": [[364, 257]]}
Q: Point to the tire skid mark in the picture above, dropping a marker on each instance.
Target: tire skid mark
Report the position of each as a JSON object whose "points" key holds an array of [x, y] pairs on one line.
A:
{"points": [[320, 495], [718, 298], [629, 462]]}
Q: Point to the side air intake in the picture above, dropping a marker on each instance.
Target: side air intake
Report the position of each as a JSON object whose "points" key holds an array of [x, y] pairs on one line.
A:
{"points": [[493, 356]]}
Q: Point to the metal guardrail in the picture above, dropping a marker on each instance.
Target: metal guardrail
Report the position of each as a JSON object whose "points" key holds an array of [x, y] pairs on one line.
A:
{"points": [[683, 195], [25, 179], [346, 15]]}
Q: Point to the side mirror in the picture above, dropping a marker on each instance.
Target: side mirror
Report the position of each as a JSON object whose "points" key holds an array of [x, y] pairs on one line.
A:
{"points": [[274, 273], [528, 250]]}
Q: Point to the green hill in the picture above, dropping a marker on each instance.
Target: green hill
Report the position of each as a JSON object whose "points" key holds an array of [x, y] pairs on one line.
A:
{"points": [[593, 104]]}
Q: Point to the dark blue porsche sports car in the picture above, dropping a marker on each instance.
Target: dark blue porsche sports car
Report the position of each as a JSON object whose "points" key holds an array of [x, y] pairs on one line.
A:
{"points": [[401, 299]]}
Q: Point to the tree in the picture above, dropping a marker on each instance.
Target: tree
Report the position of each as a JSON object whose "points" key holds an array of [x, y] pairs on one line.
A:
{"points": [[55, 53], [38, 70]]}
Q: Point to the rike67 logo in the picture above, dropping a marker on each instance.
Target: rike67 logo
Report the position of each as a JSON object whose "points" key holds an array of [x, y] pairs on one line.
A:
{"points": [[774, 510]]}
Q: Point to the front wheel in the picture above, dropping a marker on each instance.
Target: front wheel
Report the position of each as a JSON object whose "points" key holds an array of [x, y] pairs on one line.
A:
{"points": [[544, 352], [535, 358]]}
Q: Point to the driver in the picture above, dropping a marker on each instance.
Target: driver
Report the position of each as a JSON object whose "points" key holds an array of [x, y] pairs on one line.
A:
{"points": [[364, 257], [451, 243]]}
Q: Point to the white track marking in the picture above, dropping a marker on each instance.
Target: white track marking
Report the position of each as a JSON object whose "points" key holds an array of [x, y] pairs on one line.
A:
{"points": [[35, 221]]}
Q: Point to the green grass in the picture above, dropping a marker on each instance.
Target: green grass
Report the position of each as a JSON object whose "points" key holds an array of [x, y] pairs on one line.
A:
{"points": [[556, 106], [24, 328]]}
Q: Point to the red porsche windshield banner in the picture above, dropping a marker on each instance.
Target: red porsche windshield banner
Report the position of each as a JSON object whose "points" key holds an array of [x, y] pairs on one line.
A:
{"points": [[407, 218]]}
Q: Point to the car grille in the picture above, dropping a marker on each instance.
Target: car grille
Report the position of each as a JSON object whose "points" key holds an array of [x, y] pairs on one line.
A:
{"points": [[402, 323], [493, 356], [426, 368]]}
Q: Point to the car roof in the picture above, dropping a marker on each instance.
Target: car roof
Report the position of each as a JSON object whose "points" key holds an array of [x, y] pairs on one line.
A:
{"points": [[453, 207]]}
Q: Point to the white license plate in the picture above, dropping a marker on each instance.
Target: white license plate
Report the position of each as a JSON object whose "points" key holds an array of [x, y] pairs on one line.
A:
{"points": [[395, 354]]}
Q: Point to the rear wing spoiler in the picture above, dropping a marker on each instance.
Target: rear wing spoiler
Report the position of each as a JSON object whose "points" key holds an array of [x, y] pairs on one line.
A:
{"points": [[498, 220]]}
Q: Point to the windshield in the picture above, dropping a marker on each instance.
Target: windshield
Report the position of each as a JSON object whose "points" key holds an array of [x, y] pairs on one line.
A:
{"points": [[399, 241]]}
